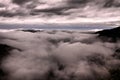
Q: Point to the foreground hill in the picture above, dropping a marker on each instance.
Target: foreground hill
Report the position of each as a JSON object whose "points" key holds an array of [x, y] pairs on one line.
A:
{"points": [[111, 35]]}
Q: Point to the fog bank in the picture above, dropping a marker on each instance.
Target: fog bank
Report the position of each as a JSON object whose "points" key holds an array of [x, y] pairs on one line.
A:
{"points": [[57, 55]]}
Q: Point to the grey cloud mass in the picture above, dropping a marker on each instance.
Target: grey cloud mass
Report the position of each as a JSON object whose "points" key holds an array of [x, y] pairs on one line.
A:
{"points": [[78, 10], [19, 2], [57, 55]]}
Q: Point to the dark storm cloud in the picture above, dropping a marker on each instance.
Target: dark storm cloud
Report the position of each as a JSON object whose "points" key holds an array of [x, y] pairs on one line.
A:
{"points": [[58, 55], [2, 5], [73, 11], [10, 14], [59, 8], [19, 2], [112, 3], [57, 11], [6, 14], [77, 3]]}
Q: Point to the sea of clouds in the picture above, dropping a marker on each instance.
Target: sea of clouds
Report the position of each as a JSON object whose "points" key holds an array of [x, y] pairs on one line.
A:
{"points": [[58, 55]]}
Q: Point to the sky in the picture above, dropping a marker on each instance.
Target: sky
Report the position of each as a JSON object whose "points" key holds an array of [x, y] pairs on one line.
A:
{"points": [[60, 11]]}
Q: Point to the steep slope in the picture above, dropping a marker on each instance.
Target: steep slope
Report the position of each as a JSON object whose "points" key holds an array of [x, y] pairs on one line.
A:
{"points": [[110, 35]]}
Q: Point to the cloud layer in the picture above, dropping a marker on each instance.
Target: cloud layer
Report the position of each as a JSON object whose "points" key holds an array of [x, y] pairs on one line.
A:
{"points": [[58, 55], [64, 11]]}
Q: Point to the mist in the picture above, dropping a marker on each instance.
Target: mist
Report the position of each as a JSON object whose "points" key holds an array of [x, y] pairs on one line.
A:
{"points": [[57, 55]]}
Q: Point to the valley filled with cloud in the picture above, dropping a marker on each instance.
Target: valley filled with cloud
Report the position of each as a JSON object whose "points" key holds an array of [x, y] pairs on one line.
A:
{"points": [[59, 55]]}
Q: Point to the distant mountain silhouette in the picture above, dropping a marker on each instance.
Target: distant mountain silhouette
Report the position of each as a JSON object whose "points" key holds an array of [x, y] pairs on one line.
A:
{"points": [[31, 30], [110, 35]]}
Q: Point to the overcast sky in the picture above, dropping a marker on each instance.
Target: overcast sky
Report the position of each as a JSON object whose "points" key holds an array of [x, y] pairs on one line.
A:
{"points": [[59, 11]]}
